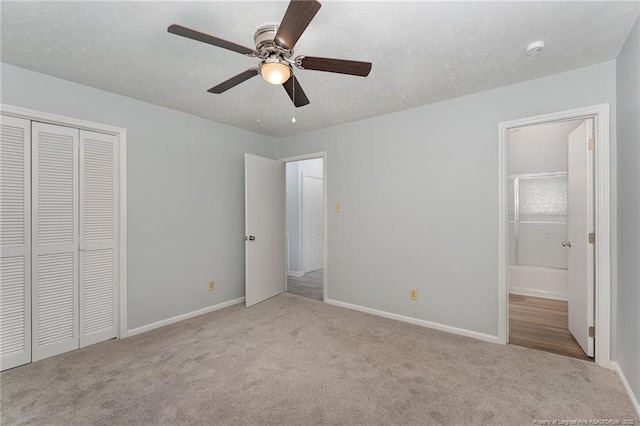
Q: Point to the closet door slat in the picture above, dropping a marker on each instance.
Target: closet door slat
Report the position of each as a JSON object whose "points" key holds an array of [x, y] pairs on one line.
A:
{"points": [[15, 242], [55, 210], [98, 236]]}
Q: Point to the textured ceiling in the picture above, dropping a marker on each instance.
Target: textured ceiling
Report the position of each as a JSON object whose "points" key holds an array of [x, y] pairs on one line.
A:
{"points": [[422, 52]]}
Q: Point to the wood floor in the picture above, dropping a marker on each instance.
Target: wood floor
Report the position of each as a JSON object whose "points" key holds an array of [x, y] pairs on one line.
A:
{"points": [[542, 324], [308, 285]]}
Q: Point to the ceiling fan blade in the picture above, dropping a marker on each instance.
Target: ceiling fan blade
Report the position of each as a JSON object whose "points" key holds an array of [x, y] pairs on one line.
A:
{"points": [[206, 38], [234, 81], [296, 19], [293, 88], [341, 66]]}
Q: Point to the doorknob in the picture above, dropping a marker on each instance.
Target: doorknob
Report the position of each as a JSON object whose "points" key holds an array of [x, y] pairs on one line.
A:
{"points": [[566, 244], [250, 238]]}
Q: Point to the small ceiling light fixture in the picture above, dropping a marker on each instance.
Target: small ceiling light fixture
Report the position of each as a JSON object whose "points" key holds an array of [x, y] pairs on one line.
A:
{"points": [[274, 71], [534, 48]]}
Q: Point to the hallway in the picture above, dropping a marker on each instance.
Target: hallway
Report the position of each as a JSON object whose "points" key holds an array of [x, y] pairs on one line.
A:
{"points": [[308, 285]]}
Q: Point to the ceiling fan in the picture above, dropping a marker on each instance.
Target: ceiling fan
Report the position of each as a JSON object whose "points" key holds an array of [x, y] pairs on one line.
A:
{"points": [[274, 48]]}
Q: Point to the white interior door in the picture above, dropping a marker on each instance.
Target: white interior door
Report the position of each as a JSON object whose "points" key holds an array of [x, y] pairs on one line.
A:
{"points": [[15, 242], [265, 229], [98, 237], [581, 286], [312, 222], [54, 239]]}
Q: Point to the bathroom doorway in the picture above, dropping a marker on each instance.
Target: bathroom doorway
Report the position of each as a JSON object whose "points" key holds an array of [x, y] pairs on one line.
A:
{"points": [[551, 257]]}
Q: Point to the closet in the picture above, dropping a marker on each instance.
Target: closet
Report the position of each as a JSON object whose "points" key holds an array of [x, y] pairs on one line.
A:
{"points": [[58, 239]]}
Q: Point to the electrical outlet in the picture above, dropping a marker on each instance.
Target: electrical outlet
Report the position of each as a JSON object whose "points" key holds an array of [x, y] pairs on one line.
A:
{"points": [[413, 294], [212, 285]]}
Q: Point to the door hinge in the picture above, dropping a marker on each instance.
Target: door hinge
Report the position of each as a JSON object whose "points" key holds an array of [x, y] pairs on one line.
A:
{"points": [[592, 331], [592, 144], [592, 237]]}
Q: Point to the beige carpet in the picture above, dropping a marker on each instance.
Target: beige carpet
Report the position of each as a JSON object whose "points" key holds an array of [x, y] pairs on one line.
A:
{"points": [[295, 361]]}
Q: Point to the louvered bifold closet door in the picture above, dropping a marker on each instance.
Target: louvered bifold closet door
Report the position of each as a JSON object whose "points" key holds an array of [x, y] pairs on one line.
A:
{"points": [[54, 213], [98, 236], [15, 242]]}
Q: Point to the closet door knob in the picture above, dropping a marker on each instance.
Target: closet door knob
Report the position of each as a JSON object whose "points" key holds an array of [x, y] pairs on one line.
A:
{"points": [[566, 244]]}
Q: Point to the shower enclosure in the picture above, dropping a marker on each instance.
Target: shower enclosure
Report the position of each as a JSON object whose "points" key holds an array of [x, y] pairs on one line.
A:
{"points": [[538, 226]]}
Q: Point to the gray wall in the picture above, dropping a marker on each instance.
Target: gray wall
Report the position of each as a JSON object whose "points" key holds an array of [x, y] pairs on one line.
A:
{"points": [[540, 148], [185, 193], [628, 291], [537, 156], [419, 194]]}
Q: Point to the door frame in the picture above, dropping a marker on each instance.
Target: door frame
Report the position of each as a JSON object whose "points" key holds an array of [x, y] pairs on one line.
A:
{"points": [[602, 258], [121, 135], [325, 261]]}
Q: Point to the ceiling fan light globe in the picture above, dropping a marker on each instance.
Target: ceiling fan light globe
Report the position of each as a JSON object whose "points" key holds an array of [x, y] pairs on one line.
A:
{"points": [[275, 72]]}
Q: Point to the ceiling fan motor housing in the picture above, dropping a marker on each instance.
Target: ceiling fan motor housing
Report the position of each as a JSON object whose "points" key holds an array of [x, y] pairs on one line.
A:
{"points": [[265, 46], [267, 50], [263, 37]]}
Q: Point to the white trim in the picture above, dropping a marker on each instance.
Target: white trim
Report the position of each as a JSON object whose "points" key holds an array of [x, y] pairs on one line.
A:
{"points": [[603, 223], [121, 134], [436, 326], [634, 399], [183, 317], [295, 273], [603, 238], [17, 358], [303, 157], [325, 221], [537, 293], [122, 283], [45, 117]]}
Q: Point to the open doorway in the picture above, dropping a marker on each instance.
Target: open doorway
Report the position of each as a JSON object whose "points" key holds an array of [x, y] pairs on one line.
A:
{"points": [[305, 227], [588, 293], [550, 199]]}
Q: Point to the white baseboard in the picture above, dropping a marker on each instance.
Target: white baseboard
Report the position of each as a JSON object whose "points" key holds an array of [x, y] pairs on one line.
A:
{"points": [[449, 329], [295, 273], [538, 293], [634, 399], [182, 317]]}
